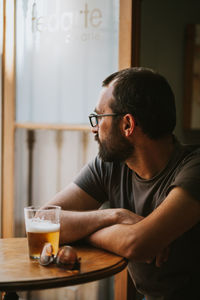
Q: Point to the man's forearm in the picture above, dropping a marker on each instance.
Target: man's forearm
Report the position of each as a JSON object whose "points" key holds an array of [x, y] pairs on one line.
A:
{"points": [[76, 225], [120, 238], [146, 239], [114, 238]]}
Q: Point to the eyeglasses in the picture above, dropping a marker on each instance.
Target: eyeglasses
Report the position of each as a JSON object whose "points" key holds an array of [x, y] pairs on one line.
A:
{"points": [[94, 117]]}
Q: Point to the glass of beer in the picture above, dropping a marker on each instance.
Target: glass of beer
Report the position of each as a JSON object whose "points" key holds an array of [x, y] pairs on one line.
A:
{"points": [[42, 226]]}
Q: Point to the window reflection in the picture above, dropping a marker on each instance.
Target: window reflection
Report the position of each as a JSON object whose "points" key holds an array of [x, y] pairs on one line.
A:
{"points": [[64, 49]]}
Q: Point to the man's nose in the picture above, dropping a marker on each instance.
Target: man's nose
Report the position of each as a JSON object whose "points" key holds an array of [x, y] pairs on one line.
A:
{"points": [[95, 129]]}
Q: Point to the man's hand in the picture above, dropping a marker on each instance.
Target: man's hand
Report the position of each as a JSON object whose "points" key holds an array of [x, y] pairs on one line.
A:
{"points": [[125, 216], [160, 258]]}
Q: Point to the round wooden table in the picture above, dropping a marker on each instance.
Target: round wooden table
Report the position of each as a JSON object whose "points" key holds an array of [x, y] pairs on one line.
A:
{"points": [[20, 273]]}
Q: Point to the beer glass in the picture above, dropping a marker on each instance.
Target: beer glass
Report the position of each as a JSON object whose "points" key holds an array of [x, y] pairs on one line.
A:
{"points": [[42, 226]]}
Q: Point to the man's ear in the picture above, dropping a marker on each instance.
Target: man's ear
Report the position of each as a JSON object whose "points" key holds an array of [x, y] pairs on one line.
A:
{"points": [[128, 124]]}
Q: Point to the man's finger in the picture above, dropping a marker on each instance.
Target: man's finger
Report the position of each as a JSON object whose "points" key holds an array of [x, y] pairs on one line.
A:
{"points": [[162, 257]]}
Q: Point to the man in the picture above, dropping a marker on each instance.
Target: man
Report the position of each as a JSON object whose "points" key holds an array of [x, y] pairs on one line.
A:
{"points": [[151, 181]]}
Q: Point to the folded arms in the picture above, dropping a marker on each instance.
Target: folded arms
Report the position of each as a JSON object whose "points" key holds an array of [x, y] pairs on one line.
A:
{"points": [[123, 232]]}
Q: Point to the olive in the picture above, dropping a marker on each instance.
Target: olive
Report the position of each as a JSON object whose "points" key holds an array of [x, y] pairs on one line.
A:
{"points": [[67, 257], [46, 256]]}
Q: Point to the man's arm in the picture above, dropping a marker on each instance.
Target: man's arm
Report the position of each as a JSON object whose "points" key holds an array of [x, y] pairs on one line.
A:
{"points": [[146, 239], [74, 198], [80, 216]]}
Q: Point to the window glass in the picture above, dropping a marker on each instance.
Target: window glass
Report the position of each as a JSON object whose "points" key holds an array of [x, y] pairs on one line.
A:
{"points": [[64, 49]]}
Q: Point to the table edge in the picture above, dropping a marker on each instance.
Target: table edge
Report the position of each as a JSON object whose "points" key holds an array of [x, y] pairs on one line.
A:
{"points": [[64, 281]]}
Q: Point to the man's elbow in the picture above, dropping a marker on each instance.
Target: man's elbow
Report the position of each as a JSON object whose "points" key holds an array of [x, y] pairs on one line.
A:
{"points": [[138, 252], [132, 253]]}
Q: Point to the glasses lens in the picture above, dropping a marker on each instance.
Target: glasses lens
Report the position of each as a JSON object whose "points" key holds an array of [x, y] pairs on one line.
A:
{"points": [[94, 121]]}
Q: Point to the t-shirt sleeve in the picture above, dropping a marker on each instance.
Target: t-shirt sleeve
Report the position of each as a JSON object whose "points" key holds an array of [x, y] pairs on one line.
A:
{"points": [[92, 180], [188, 175]]}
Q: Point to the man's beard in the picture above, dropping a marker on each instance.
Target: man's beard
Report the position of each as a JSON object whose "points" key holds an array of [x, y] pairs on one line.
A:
{"points": [[116, 148]]}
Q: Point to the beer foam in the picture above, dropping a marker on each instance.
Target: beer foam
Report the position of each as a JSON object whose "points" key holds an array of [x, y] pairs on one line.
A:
{"points": [[41, 226]]}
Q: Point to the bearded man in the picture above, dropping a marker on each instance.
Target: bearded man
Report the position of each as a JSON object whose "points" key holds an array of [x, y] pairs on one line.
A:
{"points": [[151, 181]]}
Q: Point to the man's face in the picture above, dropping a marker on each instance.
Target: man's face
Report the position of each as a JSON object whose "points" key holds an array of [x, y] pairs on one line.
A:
{"points": [[113, 146]]}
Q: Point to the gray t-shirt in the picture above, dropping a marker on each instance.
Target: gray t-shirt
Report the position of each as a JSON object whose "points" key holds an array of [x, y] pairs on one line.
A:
{"points": [[122, 187]]}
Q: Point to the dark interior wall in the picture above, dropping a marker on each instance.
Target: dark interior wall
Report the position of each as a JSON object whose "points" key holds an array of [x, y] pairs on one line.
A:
{"points": [[162, 47]]}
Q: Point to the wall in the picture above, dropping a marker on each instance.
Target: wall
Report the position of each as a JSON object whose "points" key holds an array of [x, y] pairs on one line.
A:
{"points": [[162, 46]]}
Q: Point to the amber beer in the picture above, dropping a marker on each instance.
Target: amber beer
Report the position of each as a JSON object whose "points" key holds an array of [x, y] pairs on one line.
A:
{"points": [[39, 234], [42, 226]]}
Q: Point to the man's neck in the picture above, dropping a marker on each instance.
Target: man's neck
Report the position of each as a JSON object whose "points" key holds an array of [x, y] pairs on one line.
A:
{"points": [[150, 157]]}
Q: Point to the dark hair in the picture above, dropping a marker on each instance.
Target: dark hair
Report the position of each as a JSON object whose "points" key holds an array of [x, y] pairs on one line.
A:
{"points": [[147, 96]]}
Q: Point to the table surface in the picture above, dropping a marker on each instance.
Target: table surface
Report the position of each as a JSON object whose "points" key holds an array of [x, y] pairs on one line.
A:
{"points": [[18, 272]]}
